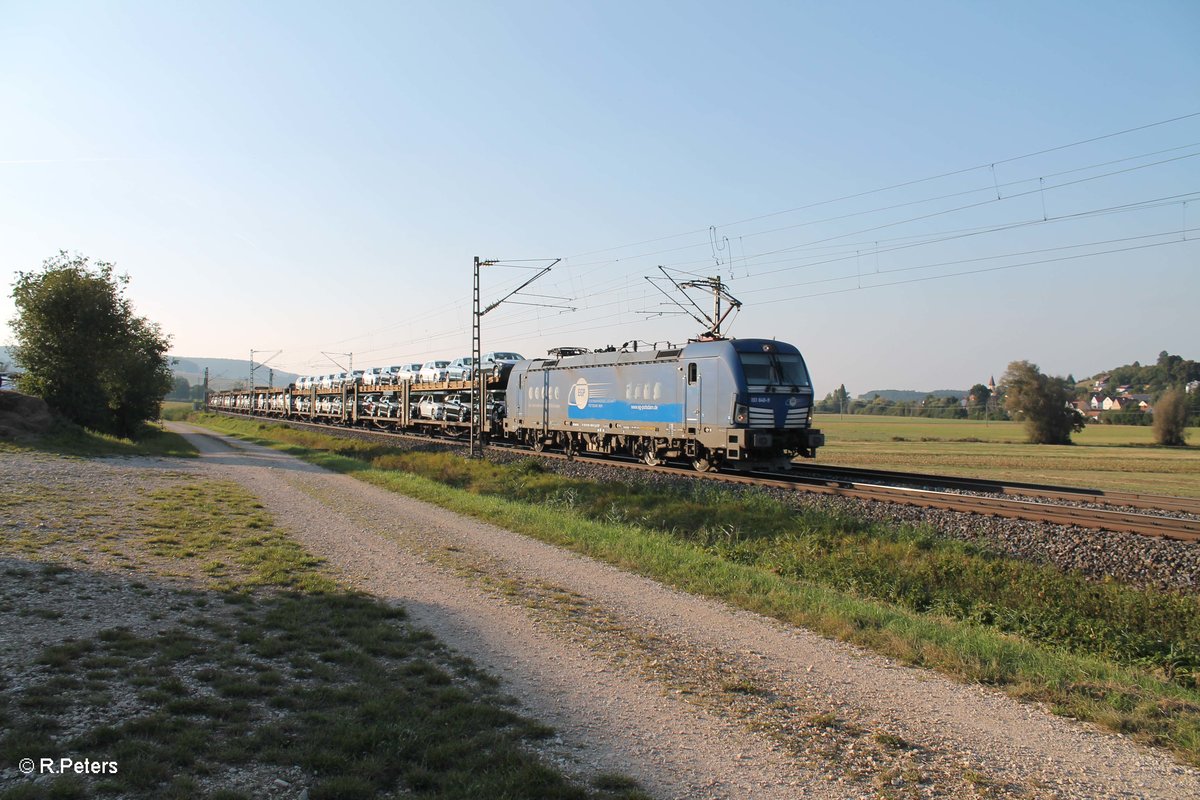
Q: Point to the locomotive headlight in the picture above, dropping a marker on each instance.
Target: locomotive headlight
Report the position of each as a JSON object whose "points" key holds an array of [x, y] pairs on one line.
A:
{"points": [[741, 414]]}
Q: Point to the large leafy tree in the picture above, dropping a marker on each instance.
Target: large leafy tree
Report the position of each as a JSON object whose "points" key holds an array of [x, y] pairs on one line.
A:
{"points": [[83, 349], [1171, 418], [1041, 401]]}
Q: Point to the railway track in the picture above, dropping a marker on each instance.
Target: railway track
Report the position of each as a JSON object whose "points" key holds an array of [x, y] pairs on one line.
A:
{"points": [[994, 498], [1181, 529], [1186, 505]]}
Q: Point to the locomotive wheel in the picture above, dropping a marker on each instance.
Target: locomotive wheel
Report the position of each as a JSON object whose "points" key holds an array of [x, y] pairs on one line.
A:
{"points": [[702, 464], [538, 444], [651, 458]]}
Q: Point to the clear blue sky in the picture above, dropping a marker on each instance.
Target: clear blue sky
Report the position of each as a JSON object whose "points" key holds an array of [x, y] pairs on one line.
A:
{"points": [[317, 177]]}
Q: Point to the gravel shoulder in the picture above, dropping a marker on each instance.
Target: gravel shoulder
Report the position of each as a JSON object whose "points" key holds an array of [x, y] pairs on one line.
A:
{"points": [[689, 696]]}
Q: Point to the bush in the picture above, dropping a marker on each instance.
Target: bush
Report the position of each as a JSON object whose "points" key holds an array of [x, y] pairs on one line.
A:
{"points": [[1041, 401], [84, 351], [1126, 418], [1171, 418]]}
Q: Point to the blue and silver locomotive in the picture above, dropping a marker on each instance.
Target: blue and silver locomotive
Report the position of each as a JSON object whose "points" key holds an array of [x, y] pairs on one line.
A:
{"points": [[731, 402]]}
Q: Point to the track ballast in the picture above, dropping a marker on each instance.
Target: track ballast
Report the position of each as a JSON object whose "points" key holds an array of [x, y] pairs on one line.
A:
{"points": [[1178, 518]]}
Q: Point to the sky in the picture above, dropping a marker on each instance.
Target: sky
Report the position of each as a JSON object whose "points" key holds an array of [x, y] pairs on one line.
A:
{"points": [[914, 194]]}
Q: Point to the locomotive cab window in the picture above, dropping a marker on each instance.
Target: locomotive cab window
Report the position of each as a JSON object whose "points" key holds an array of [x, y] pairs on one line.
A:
{"points": [[693, 372], [775, 369]]}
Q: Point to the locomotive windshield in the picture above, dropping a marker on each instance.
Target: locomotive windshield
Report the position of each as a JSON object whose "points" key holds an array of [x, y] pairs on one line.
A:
{"points": [[774, 369]]}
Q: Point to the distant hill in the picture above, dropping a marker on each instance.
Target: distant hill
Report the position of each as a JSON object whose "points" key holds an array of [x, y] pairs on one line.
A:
{"points": [[1168, 371], [908, 395], [224, 372]]}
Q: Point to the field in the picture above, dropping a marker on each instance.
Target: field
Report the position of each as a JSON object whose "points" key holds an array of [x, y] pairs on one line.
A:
{"points": [[176, 409], [1114, 457]]}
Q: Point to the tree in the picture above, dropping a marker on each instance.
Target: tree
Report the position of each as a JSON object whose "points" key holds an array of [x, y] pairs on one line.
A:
{"points": [[1170, 419], [841, 398], [835, 402], [978, 399], [181, 388], [84, 350], [1042, 402]]}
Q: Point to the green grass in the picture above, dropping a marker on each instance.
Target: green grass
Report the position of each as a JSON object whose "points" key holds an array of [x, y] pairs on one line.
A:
{"points": [[72, 440], [1117, 655], [1113, 457], [271, 668], [336, 684], [177, 409], [357, 697], [870, 427], [218, 524]]}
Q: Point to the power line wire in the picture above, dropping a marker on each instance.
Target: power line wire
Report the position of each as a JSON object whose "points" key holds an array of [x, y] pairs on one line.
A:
{"points": [[905, 184]]}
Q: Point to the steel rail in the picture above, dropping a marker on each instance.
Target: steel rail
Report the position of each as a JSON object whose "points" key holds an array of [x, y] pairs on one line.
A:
{"points": [[1185, 530], [1153, 502]]}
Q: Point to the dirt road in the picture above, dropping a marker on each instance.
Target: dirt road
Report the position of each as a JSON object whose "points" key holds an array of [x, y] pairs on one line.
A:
{"points": [[693, 698]]}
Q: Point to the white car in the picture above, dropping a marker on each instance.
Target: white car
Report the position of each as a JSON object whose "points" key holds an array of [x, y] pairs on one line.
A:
{"points": [[434, 371], [391, 375], [408, 372], [430, 408], [371, 376]]}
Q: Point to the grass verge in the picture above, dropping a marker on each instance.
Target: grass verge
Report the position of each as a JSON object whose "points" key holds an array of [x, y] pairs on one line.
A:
{"points": [[271, 675], [71, 440], [1120, 656], [177, 409]]}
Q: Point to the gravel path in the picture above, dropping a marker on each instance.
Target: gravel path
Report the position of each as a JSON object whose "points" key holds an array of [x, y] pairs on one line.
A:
{"points": [[691, 697]]}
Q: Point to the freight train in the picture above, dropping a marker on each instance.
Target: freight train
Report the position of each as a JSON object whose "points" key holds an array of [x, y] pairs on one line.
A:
{"points": [[734, 403]]}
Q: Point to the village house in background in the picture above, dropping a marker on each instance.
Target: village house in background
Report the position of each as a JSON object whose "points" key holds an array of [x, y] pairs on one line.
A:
{"points": [[1118, 399]]}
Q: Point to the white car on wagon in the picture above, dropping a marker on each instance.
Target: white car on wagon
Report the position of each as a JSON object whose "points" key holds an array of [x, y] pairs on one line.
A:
{"points": [[434, 371]]}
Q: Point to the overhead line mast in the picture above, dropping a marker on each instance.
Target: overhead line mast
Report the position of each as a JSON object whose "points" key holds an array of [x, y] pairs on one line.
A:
{"points": [[254, 367], [479, 381]]}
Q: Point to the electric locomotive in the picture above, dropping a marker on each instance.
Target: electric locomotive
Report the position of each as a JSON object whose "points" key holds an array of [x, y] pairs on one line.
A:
{"points": [[742, 403]]}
